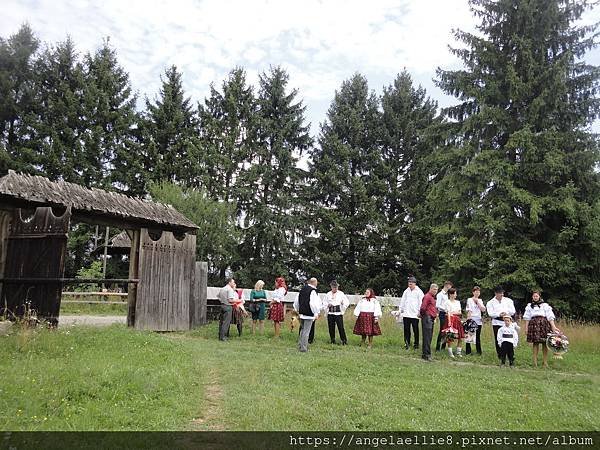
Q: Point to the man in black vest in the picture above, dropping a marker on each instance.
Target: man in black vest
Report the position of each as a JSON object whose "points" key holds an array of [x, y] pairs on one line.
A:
{"points": [[308, 305]]}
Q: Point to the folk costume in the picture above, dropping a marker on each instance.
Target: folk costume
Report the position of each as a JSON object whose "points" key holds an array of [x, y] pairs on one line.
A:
{"points": [[539, 315], [336, 303], [368, 311]]}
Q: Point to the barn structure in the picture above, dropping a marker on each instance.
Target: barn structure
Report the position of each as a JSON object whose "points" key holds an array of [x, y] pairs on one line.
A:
{"points": [[166, 287]]}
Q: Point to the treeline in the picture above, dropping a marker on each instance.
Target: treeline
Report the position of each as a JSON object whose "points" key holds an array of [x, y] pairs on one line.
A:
{"points": [[502, 188]]}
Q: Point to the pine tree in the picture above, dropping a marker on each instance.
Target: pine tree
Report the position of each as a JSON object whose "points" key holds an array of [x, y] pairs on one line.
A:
{"points": [[514, 204], [409, 129], [272, 207], [344, 183], [169, 133], [111, 122], [17, 98]]}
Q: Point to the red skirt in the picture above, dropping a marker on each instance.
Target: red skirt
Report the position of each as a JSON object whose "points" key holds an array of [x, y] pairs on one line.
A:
{"points": [[366, 326], [276, 312], [455, 322]]}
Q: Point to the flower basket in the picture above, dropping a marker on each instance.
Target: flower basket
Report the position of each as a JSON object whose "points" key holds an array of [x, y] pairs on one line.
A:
{"points": [[450, 334], [558, 343]]}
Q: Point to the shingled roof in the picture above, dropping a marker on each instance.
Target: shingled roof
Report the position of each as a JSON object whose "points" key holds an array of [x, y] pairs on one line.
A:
{"points": [[95, 205]]}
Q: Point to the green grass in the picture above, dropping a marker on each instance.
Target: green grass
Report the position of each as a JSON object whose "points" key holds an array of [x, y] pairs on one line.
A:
{"points": [[93, 309], [119, 379]]}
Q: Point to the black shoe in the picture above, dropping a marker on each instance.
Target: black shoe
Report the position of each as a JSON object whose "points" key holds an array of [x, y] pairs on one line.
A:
{"points": [[416, 346], [427, 358], [406, 346], [344, 343]]}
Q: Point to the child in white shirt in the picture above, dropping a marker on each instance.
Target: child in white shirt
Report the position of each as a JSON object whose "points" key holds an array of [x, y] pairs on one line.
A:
{"points": [[508, 339]]}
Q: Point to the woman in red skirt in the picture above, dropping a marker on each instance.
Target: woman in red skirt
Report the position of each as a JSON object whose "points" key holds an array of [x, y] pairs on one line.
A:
{"points": [[276, 311], [453, 319], [368, 311]]}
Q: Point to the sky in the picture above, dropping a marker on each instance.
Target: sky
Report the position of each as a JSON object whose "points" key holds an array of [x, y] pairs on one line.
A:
{"points": [[320, 43]]}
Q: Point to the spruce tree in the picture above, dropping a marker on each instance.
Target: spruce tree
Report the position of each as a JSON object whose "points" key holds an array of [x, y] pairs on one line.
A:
{"points": [[17, 99], [169, 133], [228, 124], [57, 126], [344, 184], [409, 131], [271, 202], [111, 122], [517, 198]]}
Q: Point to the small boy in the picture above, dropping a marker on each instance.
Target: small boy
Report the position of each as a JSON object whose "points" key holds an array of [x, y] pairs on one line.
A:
{"points": [[508, 338]]}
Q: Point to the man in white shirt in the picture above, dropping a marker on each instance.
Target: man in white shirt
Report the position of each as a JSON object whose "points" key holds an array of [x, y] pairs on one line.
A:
{"points": [[410, 304], [497, 308], [227, 296], [440, 304], [308, 306], [335, 304]]}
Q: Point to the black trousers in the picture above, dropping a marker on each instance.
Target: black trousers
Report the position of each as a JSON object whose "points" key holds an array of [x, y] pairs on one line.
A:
{"points": [[427, 325], [507, 349], [441, 342], [495, 329], [332, 321], [408, 323], [477, 342]]}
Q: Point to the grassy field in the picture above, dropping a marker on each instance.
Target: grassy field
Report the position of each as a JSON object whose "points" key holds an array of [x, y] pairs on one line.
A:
{"points": [[114, 378], [94, 309]]}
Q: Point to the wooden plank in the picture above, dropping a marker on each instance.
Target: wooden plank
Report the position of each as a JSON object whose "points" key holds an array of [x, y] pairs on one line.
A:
{"points": [[132, 288], [5, 218]]}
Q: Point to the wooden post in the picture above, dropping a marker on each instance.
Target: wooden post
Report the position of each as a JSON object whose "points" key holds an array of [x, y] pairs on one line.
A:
{"points": [[198, 295], [104, 258], [5, 218], [132, 288]]}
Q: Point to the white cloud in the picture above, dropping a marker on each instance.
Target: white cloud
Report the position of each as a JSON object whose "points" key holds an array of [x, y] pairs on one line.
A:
{"points": [[320, 43]]}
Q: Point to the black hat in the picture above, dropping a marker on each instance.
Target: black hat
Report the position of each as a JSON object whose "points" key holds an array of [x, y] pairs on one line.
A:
{"points": [[333, 283], [498, 289], [412, 279]]}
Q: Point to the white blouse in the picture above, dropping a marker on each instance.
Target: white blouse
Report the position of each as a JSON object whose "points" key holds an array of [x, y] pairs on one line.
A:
{"points": [[453, 307], [544, 310], [278, 294], [475, 310], [368, 306]]}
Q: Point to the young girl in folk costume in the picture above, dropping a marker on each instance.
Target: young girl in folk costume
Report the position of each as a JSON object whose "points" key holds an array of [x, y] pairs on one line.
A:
{"points": [[368, 311], [239, 312], [276, 311], [539, 321], [453, 320]]}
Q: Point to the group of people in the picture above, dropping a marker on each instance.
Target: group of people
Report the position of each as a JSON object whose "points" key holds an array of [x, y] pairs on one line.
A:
{"points": [[415, 306]]}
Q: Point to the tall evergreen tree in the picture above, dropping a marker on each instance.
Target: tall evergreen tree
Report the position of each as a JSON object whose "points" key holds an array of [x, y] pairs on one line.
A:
{"points": [[169, 132], [228, 125], [515, 202], [344, 183], [409, 129], [57, 124], [271, 203], [111, 122], [17, 98]]}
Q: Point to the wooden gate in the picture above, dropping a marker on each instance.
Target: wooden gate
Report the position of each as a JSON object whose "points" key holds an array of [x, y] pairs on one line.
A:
{"points": [[35, 257], [166, 274]]}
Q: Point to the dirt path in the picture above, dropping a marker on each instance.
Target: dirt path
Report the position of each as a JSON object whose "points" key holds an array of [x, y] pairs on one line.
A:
{"points": [[91, 320], [212, 410]]}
